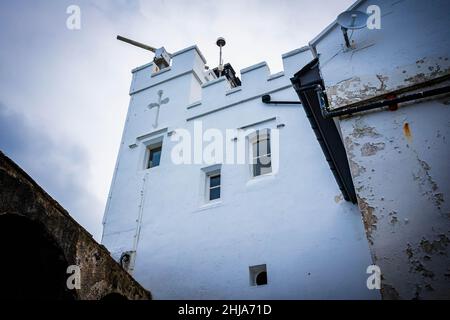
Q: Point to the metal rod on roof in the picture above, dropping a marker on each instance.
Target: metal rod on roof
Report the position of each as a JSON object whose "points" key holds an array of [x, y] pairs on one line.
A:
{"points": [[220, 43], [137, 44]]}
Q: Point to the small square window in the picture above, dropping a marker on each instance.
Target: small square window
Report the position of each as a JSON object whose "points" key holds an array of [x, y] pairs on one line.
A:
{"points": [[258, 275], [214, 186], [154, 155]]}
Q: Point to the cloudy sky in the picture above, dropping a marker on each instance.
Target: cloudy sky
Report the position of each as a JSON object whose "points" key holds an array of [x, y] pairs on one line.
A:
{"points": [[64, 93]]}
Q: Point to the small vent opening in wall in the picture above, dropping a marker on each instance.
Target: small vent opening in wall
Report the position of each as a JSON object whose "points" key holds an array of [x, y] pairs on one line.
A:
{"points": [[258, 275]]}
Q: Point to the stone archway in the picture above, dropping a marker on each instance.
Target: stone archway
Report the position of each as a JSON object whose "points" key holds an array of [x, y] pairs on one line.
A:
{"points": [[39, 240], [32, 265]]}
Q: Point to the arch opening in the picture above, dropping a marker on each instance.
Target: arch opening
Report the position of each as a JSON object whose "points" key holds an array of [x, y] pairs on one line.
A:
{"points": [[32, 265]]}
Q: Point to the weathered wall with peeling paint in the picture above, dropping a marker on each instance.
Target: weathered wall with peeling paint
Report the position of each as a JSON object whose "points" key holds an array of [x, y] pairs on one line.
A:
{"points": [[412, 46], [401, 170], [400, 160]]}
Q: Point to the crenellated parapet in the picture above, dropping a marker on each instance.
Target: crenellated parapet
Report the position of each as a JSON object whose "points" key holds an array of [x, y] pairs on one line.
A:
{"points": [[257, 80], [209, 93]]}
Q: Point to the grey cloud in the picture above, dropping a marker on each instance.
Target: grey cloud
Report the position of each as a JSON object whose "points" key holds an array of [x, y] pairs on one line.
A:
{"points": [[61, 168]]}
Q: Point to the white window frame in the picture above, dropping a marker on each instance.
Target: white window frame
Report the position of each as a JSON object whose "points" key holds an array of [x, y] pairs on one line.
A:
{"points": [[209, 172], [208, 186], [254, 138], [149, 146]]}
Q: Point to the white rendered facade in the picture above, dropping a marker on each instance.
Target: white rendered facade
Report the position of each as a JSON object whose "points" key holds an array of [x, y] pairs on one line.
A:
{"points": [[292, 220]]}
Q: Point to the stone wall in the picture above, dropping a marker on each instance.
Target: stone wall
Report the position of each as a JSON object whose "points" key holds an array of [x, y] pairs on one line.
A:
{"points": [[101, 276]]}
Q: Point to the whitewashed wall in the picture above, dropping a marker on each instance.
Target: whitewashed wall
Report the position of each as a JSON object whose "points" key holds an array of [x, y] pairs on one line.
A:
{"points": [[400, 160], [294, 221]]}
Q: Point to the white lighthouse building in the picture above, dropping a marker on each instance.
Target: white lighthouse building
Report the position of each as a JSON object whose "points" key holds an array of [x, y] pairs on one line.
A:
{"points": [[274, 228]]}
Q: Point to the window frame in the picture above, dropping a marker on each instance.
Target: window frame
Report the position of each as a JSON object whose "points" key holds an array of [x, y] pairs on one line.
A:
{"points": [[151, 147], [255, 139], [204, 195], [152, 151], [209, 176]]}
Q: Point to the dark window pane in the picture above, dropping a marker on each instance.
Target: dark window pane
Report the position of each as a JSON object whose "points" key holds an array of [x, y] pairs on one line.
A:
{"points": [[262, 165], [155, 157], [214, 181], [261, 147], [256, 169], [214, 193]]}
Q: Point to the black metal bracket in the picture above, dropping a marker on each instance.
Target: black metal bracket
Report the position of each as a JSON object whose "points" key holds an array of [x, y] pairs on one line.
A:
{"points": [[347, 40], [267, 99]]}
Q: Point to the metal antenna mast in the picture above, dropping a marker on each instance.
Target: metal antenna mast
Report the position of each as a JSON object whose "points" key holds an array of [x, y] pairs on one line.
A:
{"points": [[137, 44], [162, 57], [220, 43]]}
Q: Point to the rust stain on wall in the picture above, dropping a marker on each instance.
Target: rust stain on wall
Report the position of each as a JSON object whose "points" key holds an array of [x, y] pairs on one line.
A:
{"points": [[407, 132]]}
